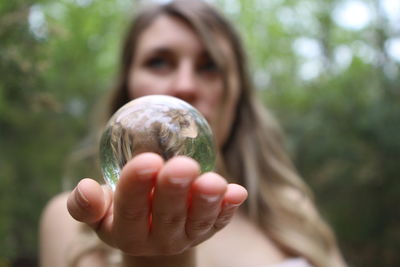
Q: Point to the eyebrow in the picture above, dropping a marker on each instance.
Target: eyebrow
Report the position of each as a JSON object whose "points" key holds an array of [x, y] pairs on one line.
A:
{"points": [[157, 50], [165, 50]]}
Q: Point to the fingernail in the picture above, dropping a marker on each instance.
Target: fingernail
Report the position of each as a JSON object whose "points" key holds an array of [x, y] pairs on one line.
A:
{"points": [[81, 199], [210, 198], [181, 182]]}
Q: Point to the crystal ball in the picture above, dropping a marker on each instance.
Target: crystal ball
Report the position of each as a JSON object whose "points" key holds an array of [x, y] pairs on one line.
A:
{"points": [[161, 124]]}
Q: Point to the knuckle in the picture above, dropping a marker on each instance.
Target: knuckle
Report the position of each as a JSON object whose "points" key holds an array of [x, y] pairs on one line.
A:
{"points": [[222, 222], [225, 217], [201, 225], [171, 219], [133, 215], [218, 226]]}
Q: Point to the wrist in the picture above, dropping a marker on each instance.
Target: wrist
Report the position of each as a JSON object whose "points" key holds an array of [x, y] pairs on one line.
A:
{"points": [[185, 259]]}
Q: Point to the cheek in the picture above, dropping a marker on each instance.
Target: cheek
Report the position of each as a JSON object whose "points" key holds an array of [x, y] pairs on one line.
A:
{"points": [[216, 96], [208, 101], [226, 113]]}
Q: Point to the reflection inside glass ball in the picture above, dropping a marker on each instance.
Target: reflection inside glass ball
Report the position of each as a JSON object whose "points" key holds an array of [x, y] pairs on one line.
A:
{"points": [[161, 124]]}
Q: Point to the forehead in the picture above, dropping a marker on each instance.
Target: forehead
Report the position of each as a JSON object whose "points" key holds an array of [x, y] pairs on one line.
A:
{"points": [[168, 31]]}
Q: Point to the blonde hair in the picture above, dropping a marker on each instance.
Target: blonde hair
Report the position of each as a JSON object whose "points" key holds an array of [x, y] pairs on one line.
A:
{"points": [[254, 154]]}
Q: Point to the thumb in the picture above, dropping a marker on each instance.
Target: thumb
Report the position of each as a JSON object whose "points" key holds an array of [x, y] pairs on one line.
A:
{"points": [[88, 202]]}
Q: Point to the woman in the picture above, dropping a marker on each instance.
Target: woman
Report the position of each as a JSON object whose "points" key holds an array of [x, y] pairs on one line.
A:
{"points": [[188, 50]]}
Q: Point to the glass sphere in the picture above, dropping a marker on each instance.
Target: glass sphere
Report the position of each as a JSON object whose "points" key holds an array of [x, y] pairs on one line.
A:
{"points": [[161, 124]]}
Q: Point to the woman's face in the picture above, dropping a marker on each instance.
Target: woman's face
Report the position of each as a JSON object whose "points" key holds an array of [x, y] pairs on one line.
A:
{"points": [[170, 59]]}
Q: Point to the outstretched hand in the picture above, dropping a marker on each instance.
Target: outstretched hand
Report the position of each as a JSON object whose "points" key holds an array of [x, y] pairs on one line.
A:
{"points": [[157, 208]]}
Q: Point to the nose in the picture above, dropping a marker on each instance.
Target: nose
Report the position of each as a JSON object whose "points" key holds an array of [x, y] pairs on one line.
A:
{"points": [[185, 84]]}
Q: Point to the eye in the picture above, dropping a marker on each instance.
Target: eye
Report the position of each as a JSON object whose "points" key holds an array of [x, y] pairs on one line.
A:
{"points": [[157, 63], [208, 65]]}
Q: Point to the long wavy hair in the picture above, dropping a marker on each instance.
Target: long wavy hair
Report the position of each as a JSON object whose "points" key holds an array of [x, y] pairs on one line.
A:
{"points": [[254, 154]]}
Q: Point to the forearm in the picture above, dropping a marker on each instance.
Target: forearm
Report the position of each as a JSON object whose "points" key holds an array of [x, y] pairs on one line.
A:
{"points": [[186, 259]]}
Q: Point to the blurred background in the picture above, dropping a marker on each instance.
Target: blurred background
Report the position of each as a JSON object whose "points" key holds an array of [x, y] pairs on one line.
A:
{"points": [[329, 70]]}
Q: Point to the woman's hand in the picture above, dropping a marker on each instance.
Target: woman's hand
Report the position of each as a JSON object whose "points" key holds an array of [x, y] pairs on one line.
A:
{"points": [[157, 208]]}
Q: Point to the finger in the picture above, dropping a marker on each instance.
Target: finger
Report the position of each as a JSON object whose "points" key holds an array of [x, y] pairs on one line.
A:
{"points": [[170, 204], [131, 201], [234, 197], [87, 202], [207, 194]]}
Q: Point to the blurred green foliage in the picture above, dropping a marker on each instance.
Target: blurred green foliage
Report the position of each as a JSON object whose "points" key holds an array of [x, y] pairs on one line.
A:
{"points": [[335, 89]]}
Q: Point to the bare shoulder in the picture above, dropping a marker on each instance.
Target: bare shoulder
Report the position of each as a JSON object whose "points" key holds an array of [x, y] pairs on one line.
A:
{"points": [[57, 229], [55, 204], [55, 215], [63, 239], [241, 243]]}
